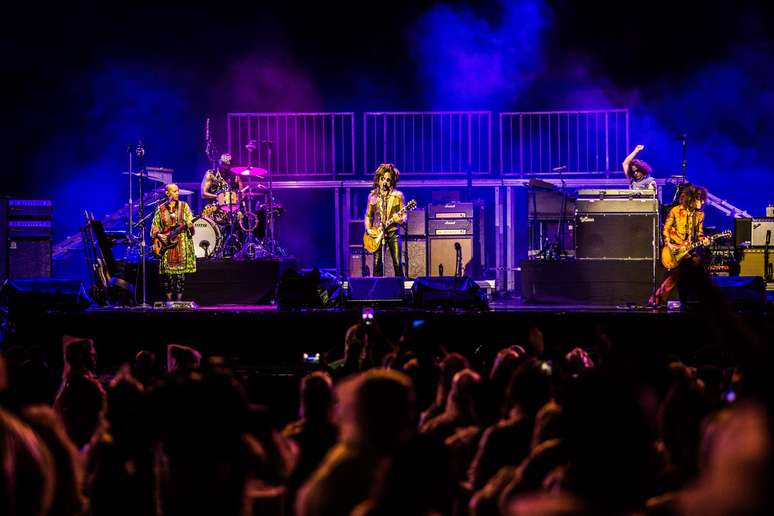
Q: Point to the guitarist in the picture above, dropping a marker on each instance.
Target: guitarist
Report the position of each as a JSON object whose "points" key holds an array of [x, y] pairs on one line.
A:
{"points": [[684, 225], [180, 259], [384, 203]]}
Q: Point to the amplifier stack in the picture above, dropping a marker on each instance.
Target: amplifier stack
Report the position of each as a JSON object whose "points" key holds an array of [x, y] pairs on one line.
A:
{"points": [[428, 243], [754, 238], [26, 234], [452, 226]]}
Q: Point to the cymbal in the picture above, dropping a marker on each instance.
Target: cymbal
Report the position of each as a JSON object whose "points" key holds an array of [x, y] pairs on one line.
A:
{"points": [[250, 171], [146, 176], [181, 191]]}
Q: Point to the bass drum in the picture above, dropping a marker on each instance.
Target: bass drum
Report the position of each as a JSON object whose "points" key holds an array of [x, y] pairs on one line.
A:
{"points": [[206, 238]]}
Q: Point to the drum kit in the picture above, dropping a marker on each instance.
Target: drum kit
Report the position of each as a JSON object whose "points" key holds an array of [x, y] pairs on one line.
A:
{"points": [[240, 223]]}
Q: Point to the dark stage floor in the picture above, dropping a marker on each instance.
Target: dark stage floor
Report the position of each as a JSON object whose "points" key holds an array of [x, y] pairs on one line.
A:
{"points": [[261, 333]]}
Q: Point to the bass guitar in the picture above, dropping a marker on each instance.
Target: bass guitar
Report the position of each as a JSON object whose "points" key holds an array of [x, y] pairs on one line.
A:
{"points": [[373, 241], [163, 242], [671, 258]]}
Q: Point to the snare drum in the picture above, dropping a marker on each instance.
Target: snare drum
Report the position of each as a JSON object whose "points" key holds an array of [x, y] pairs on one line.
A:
{"points": [[228, 201], [206, 238]]}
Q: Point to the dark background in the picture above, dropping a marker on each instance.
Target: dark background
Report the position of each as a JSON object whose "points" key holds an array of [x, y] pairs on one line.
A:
{"points": [[83, 81]]}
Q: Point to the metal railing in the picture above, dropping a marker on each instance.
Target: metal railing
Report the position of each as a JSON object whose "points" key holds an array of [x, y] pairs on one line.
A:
{"points": [[430, 143], [550, 143], [302, 144]]}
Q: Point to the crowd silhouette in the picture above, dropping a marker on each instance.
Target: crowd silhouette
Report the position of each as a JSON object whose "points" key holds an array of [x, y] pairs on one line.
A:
{"points": [[405, 427]]}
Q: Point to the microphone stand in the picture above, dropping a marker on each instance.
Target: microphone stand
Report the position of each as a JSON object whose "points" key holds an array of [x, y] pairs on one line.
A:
{"points": [[143, 250]]}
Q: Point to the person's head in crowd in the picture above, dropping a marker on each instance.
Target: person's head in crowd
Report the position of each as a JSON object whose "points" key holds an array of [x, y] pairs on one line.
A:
{"points": [[145, 368], [450, 366], [80, 355], [316, 396], [355, 341], [548, 424], [3, 375], [464, 396], [377, 408], [680, 419], [68, 498], [182, 358], [28, 476], [612, 464], [529, 388], [576, 361], [536, 345], [126, 407]]}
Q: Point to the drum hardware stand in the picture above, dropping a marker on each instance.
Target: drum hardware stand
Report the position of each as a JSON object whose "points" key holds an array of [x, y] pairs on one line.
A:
{"points": [[252, 248], [231, 244], [274, 249]]}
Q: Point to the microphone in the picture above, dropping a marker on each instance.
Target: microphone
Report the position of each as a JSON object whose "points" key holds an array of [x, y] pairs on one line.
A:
{"points": [[140, 150], [559, 169], [457, 247], [682, 137], [768, 237]]}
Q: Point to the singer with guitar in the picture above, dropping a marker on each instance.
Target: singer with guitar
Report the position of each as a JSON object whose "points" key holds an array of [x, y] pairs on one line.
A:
{"points": [[171, 232], [385, 213], [683, 230]]}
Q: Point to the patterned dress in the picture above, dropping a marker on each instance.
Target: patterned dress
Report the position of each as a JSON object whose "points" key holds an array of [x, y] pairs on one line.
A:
{"points": [[181, 258]]}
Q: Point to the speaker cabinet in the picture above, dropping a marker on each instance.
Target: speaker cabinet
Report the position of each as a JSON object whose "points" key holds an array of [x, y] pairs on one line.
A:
{"points": [[417, 257], [752, 263], [358, 257], [442, 257], [622, 236], [416, 223], [3, 240], [29, 258]]}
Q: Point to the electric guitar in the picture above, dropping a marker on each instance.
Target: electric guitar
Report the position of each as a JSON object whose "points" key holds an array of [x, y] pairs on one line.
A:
{"points": [[163, 242], [670, 259], [372, 243]]}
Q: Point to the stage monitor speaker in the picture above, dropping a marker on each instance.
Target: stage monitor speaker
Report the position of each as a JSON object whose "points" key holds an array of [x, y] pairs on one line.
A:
{"points": [[31, 297], [742, 291], [313, 289], [442, 256], [376, 290], [29, 258], [752, 262], [627, 236], [429, 292]]}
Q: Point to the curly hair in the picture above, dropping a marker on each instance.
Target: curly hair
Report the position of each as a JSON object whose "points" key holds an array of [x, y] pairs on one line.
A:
{"points": [[384, 168], [641, 165], [692, 193]]}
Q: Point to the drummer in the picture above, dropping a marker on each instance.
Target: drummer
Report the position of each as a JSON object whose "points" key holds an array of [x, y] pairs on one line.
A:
{"points": [[221, 180]]}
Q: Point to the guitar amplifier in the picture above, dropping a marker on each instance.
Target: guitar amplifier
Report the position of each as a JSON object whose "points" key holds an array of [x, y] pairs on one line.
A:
{"points": [[450, 227], [754, 262], [754, 231], [29, 228], [416, 223], [605, 205], [29, 209], [621, 236], [450, 210]]}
